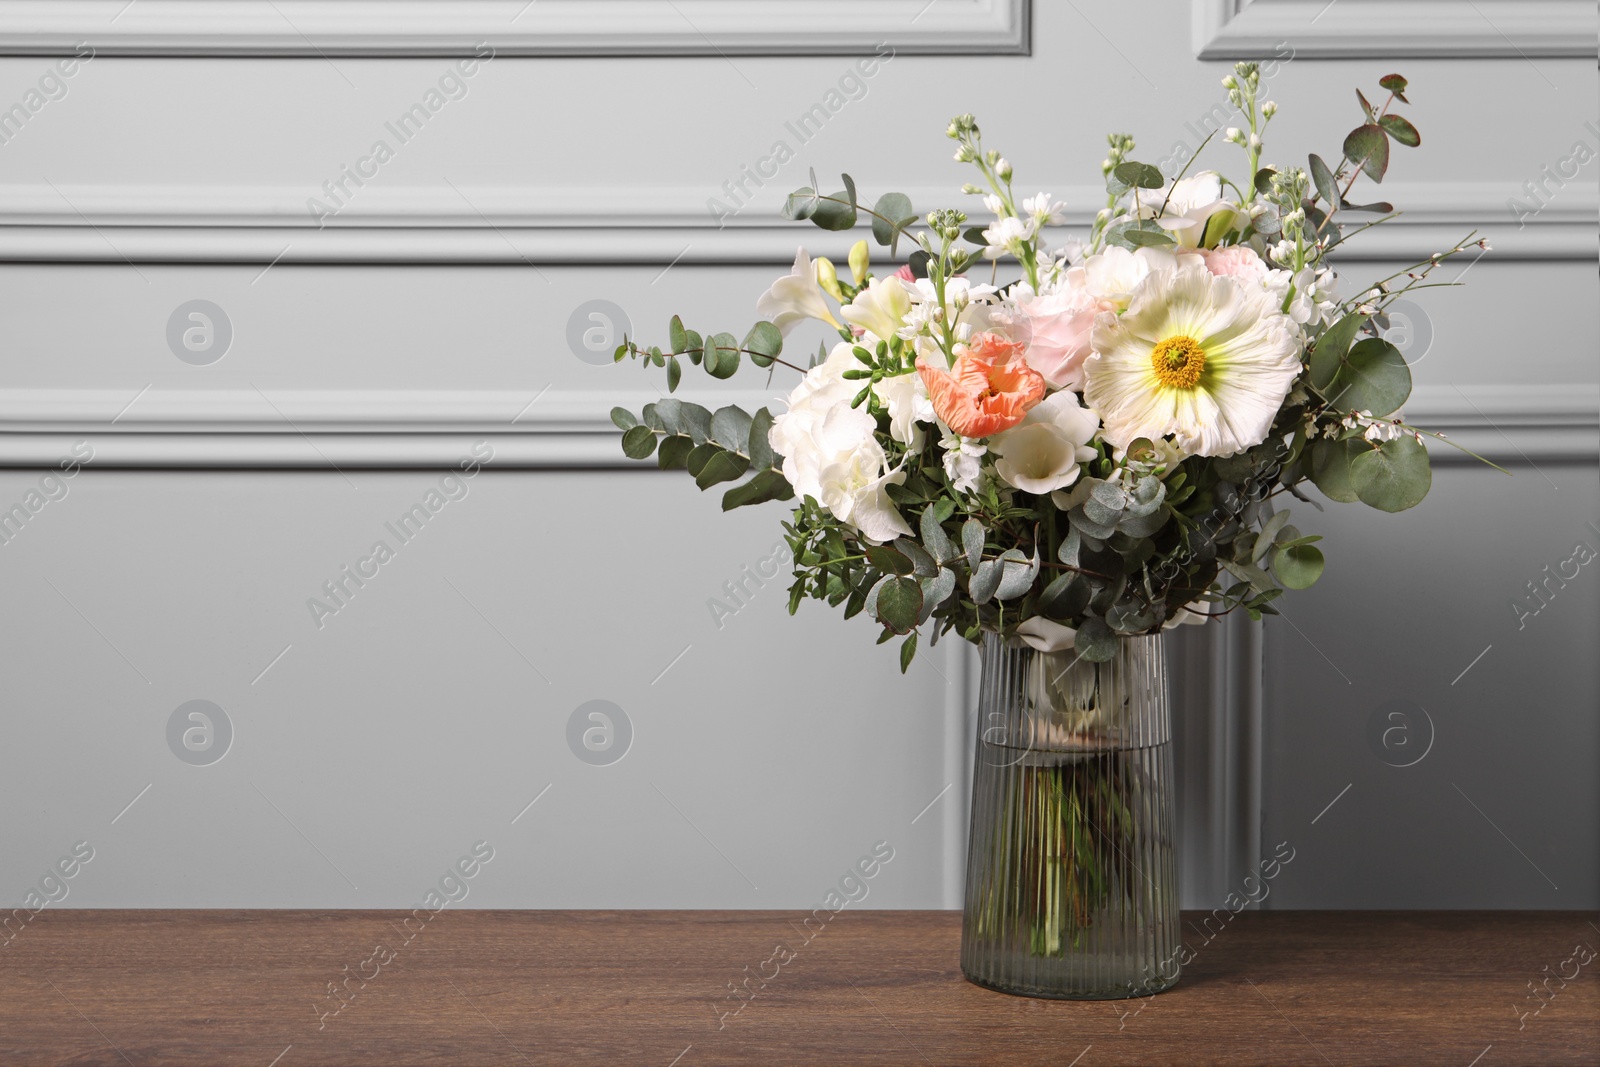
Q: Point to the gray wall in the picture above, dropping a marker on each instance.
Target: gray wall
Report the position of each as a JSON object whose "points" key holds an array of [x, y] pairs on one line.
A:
{"points": [[433, 312]]}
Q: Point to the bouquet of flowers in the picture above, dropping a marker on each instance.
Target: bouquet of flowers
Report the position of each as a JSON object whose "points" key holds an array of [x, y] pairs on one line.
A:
{"points": [[1092, 441]]}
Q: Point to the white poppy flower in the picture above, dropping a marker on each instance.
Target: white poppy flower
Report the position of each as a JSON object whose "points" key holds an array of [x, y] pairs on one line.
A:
{"points": [[1197, 356]]}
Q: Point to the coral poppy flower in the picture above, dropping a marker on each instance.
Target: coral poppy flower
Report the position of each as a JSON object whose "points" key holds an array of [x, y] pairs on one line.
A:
{"points": [[989, 389]]}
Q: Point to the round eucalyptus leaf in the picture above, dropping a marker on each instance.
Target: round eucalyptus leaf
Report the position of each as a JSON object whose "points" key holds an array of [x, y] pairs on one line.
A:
{"points": [[1392, 477]]}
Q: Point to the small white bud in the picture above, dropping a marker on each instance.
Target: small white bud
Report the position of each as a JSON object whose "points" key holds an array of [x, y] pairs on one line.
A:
{"points": [[1255, 140], [1269, 108], [1230, 82], [1234, 134], [1002, 169]]}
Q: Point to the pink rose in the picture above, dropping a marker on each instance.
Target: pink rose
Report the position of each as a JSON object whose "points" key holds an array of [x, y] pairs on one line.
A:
{"points": [[1058, 328], [1235, 261], [905, 275]]}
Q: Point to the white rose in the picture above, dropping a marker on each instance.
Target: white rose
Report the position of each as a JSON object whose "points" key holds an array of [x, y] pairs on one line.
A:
{"points": [[1046, 451], [1112, 276]]}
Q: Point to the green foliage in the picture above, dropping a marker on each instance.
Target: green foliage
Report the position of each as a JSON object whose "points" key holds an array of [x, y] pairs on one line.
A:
{"points": [[1327, 354], [1393, 476], [1298, 566], [1373, 377], [1330, 468], [892, 214], [1368, 147], [764, 342], [1327, 188], [1400, 130], [638, 442], [1139, 175], [1137, 233], [768, 485], [1095, 641]]}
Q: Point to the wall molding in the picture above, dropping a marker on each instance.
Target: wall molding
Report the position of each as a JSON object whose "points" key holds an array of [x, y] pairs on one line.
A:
{"points": [[1410, 29], [338, 428], [513, 225], [324, 28]]}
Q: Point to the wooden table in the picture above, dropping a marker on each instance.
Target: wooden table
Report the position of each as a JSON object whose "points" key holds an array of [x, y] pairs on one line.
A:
{"points": [[869, 987]]}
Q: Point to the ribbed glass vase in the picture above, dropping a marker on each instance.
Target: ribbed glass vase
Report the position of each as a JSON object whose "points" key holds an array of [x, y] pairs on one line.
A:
{"points": [[1071, 873]]}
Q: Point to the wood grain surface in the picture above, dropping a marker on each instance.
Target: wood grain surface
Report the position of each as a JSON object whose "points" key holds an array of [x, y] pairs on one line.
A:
{"points": [[865, 987]]}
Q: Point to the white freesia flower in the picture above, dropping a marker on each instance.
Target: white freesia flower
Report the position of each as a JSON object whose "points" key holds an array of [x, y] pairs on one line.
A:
{"points": [[794, 297], [881, 308], [1186, 617], [1046, 451], [963, 461], [906, 397], [1201, 357], [1191, 204], [831, 452], [1042, 635]]}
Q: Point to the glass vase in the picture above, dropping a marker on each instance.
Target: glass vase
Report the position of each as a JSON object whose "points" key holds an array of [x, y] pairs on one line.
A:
{"points": [[1071, 870]]}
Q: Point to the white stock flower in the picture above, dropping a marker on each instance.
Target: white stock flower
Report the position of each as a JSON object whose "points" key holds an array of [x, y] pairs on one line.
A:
{"points": [[1047, 450], [831, 451], [1007, 235], [963, 301], [1043, 209], [906, 397], [1201, 357], [963, 461], [795, 296], [881, 308], [1314, 297]]}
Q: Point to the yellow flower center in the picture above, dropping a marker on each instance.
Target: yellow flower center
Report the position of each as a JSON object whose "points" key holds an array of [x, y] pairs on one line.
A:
{"points": [[1178, 362]]}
